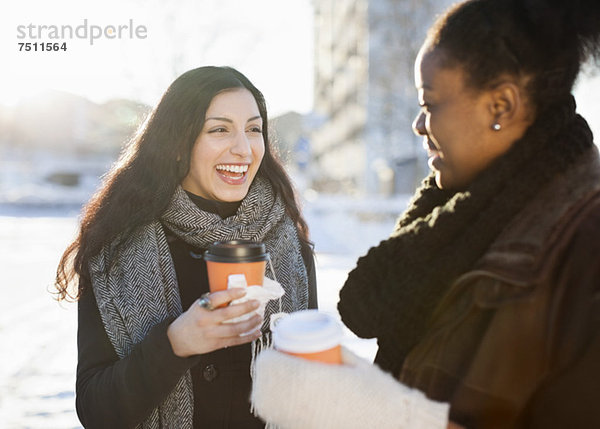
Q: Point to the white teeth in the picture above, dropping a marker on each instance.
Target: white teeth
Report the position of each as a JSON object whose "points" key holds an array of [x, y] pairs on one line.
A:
{"points": [[233, 168]]}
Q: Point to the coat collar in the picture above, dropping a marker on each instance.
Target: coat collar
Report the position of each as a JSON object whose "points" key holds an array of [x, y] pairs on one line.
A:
{"points": [[521, 248]]}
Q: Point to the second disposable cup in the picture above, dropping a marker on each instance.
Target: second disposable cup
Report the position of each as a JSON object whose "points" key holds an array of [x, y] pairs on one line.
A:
{"points": [[309, 334], [225, 258]]}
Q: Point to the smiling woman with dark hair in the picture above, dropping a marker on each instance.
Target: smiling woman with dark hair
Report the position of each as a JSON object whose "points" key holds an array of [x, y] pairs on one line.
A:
{"points": [[201, 170], [485, 299]]}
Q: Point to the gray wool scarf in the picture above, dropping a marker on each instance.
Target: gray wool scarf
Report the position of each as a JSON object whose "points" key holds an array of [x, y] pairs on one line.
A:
{"points": [[135, 285]]}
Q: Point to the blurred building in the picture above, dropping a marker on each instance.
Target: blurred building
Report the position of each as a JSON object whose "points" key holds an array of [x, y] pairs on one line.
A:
{"points": [[365, 95], [68, 123], [286, 130], [55, 146], [290, 135]]}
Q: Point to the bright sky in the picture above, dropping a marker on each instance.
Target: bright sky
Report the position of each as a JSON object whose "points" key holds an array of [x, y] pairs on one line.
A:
{"points": [[271, 41], [268, 40], [587, 94]]}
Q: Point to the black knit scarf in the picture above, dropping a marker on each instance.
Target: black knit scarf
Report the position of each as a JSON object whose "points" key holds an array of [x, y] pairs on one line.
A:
{"points": [[394, 289]]}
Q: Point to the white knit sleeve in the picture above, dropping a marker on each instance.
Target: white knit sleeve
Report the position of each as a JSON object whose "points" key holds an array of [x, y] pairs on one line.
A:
{"points": [[295, 393]]}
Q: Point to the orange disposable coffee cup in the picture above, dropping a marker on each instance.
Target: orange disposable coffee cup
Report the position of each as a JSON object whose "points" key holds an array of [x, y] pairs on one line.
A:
{"points": [[224, 258], [309, 334]]}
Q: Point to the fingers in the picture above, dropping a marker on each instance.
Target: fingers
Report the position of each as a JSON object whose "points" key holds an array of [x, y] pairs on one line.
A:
{"points": [[218, 315], [215, 318], [223, 297], [235, 329], [233, 334], [235, 310], [242, 339], [219, 334]]}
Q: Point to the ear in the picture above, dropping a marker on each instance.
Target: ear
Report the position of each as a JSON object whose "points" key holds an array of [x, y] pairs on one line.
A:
{"points": [[505, 103]]}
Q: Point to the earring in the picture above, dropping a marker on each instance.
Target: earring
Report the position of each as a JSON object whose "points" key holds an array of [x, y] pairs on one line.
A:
{"points": [[496, 127]]}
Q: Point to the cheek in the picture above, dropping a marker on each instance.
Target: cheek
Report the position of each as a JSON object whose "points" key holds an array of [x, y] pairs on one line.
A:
{"points": [[441, 128], [258, 149], [456, 133], [194, 158], [205, 153], [443, 131]]}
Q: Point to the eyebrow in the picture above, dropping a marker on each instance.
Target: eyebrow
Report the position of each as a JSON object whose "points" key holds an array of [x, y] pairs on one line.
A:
{"points": [[219, 118]]}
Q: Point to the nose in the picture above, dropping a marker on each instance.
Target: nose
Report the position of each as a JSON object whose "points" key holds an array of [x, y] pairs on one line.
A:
{"points": [[241, 145], [418, 124]]}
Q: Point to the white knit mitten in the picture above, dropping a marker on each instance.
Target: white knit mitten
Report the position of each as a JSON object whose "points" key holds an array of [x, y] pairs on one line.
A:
{"points": [[293, 393]]}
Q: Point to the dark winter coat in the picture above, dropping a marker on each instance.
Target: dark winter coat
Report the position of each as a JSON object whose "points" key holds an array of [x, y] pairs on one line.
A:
{"points": [[119, 394], [515, 342]]}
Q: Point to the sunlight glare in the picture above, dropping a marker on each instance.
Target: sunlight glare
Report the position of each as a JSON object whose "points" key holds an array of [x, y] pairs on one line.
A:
{"points": [[268, 40]]}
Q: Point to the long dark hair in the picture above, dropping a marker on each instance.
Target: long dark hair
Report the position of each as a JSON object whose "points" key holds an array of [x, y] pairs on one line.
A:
{"points": [[543, 41], [140, 185]]}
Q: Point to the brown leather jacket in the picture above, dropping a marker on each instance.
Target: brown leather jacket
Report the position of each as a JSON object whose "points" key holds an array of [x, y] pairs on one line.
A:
{"points": [[516, 341]]}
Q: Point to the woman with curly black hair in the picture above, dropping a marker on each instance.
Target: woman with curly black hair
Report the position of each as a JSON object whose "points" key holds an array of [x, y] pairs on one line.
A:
{"points": [[485, 299]]}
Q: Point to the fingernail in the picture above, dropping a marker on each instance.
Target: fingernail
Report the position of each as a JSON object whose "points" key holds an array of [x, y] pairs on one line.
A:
{"points": [[255, 304]]}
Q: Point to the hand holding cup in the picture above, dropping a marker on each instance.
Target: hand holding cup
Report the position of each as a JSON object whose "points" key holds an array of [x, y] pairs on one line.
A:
{"points": [[200, 330]]}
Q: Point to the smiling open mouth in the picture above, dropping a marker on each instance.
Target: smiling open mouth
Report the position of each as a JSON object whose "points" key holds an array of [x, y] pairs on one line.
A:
{"points": [[232, 173], [232, 170]]}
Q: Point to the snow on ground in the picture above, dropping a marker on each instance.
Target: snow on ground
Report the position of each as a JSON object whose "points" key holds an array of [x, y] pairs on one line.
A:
{"points": [[39, 355]]}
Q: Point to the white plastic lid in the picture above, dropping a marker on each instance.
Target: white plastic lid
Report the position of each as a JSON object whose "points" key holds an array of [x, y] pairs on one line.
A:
{"points": [[307, 331]]}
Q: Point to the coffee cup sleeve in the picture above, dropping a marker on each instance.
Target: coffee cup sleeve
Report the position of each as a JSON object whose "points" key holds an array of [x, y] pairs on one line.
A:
{"points": [[263, 294], [292, 392]]}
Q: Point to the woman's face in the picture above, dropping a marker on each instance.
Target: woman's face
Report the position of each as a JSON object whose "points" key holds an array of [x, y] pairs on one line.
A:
{"points": [[229, 149], [455, 121]]}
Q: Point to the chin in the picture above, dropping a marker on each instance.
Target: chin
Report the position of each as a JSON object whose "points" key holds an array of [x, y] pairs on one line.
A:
{"points": [[232, 196], [445, 182], [439, 181], [450, 183]]}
